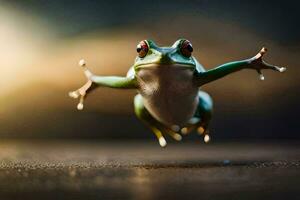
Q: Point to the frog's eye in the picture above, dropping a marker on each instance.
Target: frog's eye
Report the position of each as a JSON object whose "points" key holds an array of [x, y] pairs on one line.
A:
{"points": [[142, 49], [186, 48]]}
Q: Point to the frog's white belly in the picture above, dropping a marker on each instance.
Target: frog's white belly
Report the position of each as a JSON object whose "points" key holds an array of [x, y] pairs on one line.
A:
{"points": [[168, 93]]}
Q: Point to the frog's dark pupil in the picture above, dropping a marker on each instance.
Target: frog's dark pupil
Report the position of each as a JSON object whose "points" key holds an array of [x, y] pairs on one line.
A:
{"points": [[138, 49], [190, 48]]}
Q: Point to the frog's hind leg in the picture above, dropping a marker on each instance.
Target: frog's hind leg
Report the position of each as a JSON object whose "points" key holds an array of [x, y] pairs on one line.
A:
{"points": [[157, 128], [204, 112], [142, 113], [202, 116]]}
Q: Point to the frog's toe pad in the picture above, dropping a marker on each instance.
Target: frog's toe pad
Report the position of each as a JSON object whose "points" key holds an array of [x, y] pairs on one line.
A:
{"points": [[184, 131], [177, 137], [200, 130], [261, 77], [82, 63], [282, 69], [162, 142], [206, 138], [80, 106]]}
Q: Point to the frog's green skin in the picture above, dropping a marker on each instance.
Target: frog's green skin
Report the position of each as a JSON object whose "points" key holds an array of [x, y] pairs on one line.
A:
{"points": [[168, 82]]}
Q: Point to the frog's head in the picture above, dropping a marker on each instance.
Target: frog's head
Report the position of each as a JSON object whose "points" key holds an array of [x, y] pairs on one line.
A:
{"points": [[179, 54]]}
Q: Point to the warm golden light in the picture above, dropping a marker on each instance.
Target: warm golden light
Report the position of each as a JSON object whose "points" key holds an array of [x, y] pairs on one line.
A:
{"points": [[39, 67], [20, 48]]}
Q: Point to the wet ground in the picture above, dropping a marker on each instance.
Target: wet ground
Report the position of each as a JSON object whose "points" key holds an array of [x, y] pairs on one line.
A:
{"points": [[67, 169]]}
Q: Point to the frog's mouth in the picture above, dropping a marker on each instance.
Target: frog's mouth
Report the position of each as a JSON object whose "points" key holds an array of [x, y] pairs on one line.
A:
{"points": [[157, 65]]}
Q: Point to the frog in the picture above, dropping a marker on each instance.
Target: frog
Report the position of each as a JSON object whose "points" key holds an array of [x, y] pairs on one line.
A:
{"points": [[168, 81]]}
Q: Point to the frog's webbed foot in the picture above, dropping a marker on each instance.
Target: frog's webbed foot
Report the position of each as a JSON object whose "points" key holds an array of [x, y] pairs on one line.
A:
{"points": [[258, 64], [159, 130], [82, 92], [201, 130]]}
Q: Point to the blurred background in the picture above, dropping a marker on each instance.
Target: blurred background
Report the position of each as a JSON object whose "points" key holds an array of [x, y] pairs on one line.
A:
{"points": [[42, 41]]}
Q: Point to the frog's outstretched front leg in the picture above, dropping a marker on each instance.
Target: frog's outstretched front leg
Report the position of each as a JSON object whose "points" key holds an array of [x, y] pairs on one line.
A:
{"points": [[255, 62], [98, 81]]}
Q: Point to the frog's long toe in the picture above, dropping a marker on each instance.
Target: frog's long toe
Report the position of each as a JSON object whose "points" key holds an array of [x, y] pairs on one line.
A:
{"points": [[80, 104], [274, 67], [177, 137], [279, 69], [201, 130], [174, 135], [261, 76], [162, 141], [88, 73]]}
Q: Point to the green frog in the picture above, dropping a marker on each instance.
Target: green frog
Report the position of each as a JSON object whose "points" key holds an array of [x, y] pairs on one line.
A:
{"points": [[167, 80]]}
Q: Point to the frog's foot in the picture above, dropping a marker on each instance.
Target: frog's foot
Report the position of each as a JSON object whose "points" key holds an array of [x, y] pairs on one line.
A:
{"points": [[82, 92], [258, 64], [176, 136], [201, 130], [191, 126]]}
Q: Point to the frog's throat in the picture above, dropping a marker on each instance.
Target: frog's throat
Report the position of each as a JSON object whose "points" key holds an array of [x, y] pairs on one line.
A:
{"points": [[155, 65]]}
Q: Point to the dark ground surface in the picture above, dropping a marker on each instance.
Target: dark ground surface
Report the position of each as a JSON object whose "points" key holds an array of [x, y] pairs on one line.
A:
{"points": [[67, 169]]}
